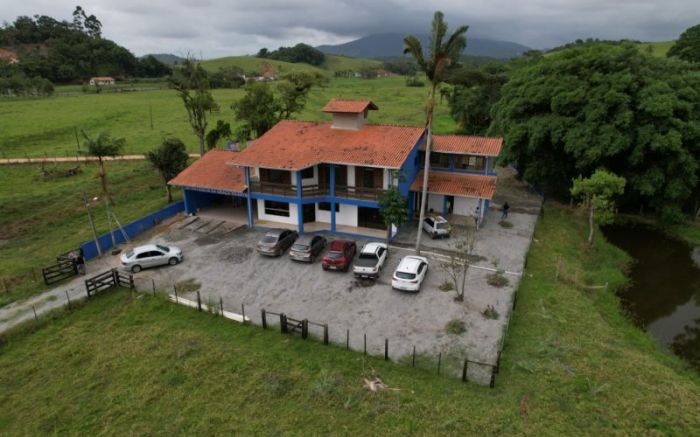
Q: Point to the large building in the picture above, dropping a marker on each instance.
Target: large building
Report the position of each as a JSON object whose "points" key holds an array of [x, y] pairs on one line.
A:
{"points": [[314, 176]]}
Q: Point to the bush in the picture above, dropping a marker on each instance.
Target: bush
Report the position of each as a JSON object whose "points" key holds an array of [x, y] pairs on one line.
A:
{"points": [[505, 224], [446, 286], [414, 81], [455, 327], [490, 313], [497, 279]]}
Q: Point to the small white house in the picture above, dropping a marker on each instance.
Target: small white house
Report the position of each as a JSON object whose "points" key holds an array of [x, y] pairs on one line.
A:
{"points": [[101, 80]]}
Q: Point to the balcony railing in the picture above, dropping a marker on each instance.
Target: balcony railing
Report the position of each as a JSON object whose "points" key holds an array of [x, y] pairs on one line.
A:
{"points": [[288, 190]]}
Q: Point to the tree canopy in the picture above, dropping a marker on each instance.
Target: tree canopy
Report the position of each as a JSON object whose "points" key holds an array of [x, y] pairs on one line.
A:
{"points": [[598, 105], [169, 159], [687, 47], [299, 53], [598, 194]]}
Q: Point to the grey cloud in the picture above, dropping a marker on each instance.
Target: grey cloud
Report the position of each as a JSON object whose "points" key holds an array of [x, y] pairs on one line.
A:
{"points": [[228, 27]]}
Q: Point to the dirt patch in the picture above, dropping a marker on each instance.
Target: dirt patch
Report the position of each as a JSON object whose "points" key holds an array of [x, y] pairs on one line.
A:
{"points": [[236, 255], [188, 285], [206, 240]]}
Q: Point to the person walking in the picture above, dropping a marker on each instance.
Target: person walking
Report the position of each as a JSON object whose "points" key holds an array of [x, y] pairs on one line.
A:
{"points": [[80, 262], [506, 208]]}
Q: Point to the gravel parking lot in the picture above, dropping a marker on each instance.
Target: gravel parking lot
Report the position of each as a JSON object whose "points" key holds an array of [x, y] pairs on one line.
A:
{"points": [[227, 266]]}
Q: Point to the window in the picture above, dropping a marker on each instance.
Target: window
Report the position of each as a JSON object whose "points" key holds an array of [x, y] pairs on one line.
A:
{"points": [[326, 206], [276, 208], [307, 173], [467, 162], [275, 176], [439, 160]]}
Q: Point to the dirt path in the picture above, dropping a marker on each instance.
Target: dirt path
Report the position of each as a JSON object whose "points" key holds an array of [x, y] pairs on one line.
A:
{"points": [[76, 159]]}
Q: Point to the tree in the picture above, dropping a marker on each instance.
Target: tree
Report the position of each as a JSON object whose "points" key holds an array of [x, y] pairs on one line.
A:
{"points": [[394, 210], [687, 47], [170, 158], [605, 106], [192, 85], [462, 245], [441, 56], [294, 89], [222, 130], [101, 146], [598, 192]]}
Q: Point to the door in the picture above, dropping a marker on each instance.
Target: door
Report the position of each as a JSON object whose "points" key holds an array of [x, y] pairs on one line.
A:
{"points": [[450, 204], [309, 212], [369, 218]]}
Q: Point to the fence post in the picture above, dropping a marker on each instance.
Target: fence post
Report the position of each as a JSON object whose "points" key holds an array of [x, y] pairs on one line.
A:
{"points": [[365, 341], [87, 288], [68, 299], [413, 363], [221, 305], [35, 316], [492, 384], [264, 319], [439, 362], [386, 349], [498, 362], [4, 285], [243, 313], [199, 302], [305, 329], [153, 285], [464, 371], [347, 339], [283, 323], [175, 289], [325, 334]]}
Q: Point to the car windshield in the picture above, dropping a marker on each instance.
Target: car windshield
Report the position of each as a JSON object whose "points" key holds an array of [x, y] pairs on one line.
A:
{"points": [[163, 248], [269, 239], [335, 255], [300, 247], [129, 254], [441, 225], [405, 275], [368, 256]]}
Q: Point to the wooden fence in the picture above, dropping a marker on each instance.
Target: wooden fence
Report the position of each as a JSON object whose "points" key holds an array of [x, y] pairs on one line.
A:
{"points": [[63, 269], [107, 280]]}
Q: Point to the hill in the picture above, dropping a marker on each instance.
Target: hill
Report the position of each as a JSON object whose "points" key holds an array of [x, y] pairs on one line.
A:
{"points": [[166, 58], [657, 48], [391, 44], [251, 64]]}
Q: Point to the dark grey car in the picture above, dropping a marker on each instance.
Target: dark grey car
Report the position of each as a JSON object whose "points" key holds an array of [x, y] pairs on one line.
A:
{"points": [[307, 248], [276, 242]]}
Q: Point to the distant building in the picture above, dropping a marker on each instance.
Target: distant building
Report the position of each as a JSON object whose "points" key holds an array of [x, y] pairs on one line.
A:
{"points": [[102, 80], [8, 56]]}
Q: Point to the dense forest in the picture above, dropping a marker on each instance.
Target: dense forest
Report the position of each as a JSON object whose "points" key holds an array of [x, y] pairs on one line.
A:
{"points": [[299, 53], [70, 52]]}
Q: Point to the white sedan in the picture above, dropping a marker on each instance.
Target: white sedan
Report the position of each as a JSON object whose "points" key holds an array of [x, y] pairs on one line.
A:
{"points": [[410, 273], [150, 255]]}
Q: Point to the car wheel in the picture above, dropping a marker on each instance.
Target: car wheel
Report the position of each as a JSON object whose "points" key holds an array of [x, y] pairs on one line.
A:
{"points": [[324, 267], [173, 261], [135, 268]]}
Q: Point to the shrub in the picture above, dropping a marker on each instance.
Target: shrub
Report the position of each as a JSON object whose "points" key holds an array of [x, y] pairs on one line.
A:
{"points": [[505, 224], [446, 286], [497, 279], [490, 313], [455, 327]]}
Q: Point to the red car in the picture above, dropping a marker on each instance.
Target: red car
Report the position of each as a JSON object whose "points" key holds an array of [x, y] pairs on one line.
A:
{"points": [[339, 256]]}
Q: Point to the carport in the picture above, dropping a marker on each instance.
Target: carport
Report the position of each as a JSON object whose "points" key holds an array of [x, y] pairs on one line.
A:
{"points": [[213, 189]]}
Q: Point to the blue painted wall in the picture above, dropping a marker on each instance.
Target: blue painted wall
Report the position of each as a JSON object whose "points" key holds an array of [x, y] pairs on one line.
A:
{"points": [[132, 229], [195, 199]]}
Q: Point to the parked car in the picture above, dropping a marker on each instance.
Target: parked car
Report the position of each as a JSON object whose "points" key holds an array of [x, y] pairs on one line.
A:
{"points": [[410, 273], [307, 248], [437, 227], [276, 242], [339, 256], [150, 255], [370, 260]]}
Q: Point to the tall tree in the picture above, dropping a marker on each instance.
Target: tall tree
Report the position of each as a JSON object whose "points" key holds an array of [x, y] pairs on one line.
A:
{"points": [[170, 158], [441, 56], [598, 197], [394, 210], [192, 85], [101, 146], [687, 47]]}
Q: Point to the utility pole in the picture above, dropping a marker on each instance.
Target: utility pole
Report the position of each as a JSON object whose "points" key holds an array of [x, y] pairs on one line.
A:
{"points": [[111, 229], [92, 225]]}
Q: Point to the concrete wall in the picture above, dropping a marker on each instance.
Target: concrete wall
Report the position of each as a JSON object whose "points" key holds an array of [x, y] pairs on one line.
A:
{"points": [[436, 202], [465, 205], [351, 175], [131, 229], [292, 219], [347, 215], [348, 121], [323, 216]]}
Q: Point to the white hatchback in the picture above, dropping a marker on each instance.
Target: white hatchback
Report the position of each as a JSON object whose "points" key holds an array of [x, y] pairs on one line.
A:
{"points": [[150, 255], [410, 273]]}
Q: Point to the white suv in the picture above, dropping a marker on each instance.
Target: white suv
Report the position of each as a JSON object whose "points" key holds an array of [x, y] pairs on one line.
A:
{"points": [[436, 227], [410, 273]]}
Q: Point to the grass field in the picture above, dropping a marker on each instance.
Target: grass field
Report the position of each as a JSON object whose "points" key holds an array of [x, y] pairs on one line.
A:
{"points": [[139, 365], [332, 64], [658, 48], [40, 219], [38, 127]]}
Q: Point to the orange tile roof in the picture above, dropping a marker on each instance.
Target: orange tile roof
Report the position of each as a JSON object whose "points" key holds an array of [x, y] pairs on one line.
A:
{"points": [[467, 145], [212, 172], [457, 184], [354, 106], [294, 145]]}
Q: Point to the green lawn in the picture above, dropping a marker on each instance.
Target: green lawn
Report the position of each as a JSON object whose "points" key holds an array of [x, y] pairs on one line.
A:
{"points": [[332, 64], [38, 127], [138, 365], [658, 48], [40, 219]]}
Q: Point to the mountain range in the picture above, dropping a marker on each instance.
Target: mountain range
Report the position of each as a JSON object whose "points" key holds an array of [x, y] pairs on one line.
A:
{"points": [[384, 45]]}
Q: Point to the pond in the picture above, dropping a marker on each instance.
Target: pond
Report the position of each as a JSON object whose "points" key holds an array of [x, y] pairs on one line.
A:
{"points": [[664, 295]]}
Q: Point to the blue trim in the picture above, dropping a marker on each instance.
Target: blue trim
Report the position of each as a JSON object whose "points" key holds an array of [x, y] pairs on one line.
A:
{"points": [[213, 191], [249, 202], [300, 209], [332, 196], [263, 196]]}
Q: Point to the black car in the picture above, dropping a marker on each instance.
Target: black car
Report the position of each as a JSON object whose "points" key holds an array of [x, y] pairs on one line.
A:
{"points": [[307, 248], [276, 242]]}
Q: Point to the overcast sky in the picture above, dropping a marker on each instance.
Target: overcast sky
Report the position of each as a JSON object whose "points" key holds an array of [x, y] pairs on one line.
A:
{"points": [[213, 28]]}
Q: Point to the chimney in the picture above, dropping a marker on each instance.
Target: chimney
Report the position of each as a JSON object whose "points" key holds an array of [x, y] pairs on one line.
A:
{"points": [[349, 114]]}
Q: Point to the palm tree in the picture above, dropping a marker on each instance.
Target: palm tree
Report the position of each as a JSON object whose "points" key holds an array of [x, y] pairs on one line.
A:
{"points": [[442, 55], [101, 146]]}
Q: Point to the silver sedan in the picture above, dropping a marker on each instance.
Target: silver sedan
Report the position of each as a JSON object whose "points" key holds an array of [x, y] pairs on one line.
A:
{"points": [[151, 255]]}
